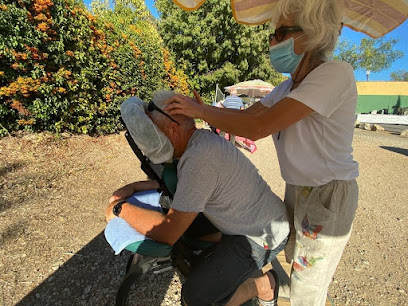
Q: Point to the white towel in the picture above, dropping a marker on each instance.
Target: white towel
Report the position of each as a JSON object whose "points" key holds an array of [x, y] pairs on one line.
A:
{"points": [[119, 233]]}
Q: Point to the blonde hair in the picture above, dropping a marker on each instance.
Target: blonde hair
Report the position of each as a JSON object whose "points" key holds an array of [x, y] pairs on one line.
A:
{"points": [[321, 21]]}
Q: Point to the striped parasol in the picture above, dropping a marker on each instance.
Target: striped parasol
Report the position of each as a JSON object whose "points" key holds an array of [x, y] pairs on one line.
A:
{"points": [[372, 17], [253, 88]]}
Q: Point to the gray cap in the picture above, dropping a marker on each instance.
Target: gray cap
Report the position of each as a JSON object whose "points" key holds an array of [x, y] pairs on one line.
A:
{"points": [[153, 143]]}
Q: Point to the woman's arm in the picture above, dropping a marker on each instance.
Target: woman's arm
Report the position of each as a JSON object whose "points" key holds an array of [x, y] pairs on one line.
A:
{"points": [[255, 123]]}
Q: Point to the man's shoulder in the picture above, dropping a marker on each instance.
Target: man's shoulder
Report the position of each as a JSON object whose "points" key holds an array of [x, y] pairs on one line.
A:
{"points": [[201, 142], [202, 153]]}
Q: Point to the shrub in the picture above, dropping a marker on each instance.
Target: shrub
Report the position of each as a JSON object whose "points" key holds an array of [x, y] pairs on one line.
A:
{"points": [[64, 69]]}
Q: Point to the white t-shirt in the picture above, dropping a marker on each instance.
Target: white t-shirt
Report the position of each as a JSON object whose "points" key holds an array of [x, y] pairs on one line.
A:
{"points": [[317, 149]]}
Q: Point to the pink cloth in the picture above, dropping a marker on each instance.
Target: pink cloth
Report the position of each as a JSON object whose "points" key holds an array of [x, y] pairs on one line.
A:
{"points": [[248, 142]]}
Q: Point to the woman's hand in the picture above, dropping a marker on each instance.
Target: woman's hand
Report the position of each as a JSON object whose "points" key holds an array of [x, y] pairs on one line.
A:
{"points": [[182, 105]]}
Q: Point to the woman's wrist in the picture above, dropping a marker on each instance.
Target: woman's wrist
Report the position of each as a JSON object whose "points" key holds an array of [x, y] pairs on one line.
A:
{"points": [[203, 112]]}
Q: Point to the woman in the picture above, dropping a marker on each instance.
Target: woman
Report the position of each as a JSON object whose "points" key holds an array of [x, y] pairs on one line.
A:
{"points": [[311, 118]]}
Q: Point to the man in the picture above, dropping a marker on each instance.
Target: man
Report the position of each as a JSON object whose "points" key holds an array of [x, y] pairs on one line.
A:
{"points": [[216, 179], [232, 102]]}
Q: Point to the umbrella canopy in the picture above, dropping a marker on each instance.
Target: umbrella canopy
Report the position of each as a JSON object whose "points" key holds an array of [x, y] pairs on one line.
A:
{"points": [[372, 17], [253, 88]]}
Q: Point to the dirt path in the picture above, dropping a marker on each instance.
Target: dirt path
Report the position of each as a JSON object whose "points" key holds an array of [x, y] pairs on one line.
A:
{"points": [[52, 199]]}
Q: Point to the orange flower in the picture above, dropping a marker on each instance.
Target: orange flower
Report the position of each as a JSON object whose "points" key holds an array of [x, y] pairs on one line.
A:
{"points": [[15, 66], [42, 26], [62, 90], [69, 53], [41, 17], [1, 73], [3, 7], [90, 17], [42, 5], [18, 106], [26, 122]]}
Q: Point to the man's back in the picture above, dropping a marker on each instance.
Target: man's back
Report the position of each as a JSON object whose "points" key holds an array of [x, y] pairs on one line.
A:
{"points": [[217, 179]]}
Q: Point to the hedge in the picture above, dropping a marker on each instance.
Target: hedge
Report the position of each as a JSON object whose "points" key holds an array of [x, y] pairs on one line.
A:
{"points": [[65, 69]]}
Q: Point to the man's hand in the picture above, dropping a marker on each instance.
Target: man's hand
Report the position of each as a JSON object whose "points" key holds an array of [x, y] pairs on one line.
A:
{"points": [[126, 191], [122, 193], [182, 105]]}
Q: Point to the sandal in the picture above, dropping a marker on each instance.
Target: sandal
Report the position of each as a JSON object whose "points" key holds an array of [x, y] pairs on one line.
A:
{"points": [[274, 301]]}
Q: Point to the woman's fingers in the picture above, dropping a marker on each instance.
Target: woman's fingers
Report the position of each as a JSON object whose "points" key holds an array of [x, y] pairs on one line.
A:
{"points": [[198, 98], [174, 99], [181, 105]]}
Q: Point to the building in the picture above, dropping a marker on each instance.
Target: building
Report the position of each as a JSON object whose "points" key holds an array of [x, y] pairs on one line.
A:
{"points": [[382, 97]]}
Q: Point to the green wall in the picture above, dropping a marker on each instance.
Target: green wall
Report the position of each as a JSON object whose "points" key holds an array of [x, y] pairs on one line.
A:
{"points": [[368, 103]]}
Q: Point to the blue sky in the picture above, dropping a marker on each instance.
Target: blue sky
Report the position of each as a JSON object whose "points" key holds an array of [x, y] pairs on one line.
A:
{"points": [[400, 33]]}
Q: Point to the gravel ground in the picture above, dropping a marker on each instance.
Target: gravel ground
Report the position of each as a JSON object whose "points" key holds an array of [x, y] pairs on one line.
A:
{"points": [[53, 193]]}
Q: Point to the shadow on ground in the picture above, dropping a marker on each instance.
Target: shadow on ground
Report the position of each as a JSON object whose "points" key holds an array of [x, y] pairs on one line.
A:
{"points": [[396, 150], [91, 277]]}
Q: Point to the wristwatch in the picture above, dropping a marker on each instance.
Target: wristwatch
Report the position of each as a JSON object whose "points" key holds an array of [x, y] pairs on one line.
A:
{"points": [[118, 208]]}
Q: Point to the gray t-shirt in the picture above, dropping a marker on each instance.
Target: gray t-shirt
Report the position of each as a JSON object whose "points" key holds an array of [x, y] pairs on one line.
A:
{"points": [[215, 178]]}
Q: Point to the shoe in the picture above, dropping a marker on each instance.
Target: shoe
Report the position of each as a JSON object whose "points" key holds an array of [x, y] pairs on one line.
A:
{"points": [[274, 301]]}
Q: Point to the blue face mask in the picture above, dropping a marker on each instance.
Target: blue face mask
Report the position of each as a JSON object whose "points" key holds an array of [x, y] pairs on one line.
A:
{"points": [[283, 57]]}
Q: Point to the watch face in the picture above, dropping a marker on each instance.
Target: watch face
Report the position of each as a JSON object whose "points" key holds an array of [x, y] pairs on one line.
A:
{"points": [[117, 208]]}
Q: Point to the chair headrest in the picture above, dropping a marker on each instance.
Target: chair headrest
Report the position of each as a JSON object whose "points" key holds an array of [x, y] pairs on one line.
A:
{"points": [[153, 143]]}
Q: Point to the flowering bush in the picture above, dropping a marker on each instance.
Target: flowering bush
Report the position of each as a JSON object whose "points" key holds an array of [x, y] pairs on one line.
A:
{"points": [[64, 69]]}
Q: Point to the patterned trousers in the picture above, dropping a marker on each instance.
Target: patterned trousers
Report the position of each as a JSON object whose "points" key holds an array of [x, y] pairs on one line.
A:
{"points": [[321, 221]]}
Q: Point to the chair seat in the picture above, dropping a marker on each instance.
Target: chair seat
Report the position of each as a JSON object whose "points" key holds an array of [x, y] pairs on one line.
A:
{"points": [[150, 248]]}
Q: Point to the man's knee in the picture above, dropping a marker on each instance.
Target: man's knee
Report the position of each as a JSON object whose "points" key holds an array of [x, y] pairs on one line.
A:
{"points": [[191, 295], [187, 295]]}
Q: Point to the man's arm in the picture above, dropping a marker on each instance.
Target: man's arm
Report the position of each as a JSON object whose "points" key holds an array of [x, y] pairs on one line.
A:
{"points": [[160, 227]]}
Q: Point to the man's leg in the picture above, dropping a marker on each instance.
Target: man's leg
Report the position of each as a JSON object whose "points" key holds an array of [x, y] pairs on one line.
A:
{"points": [[262, 287], [323, 219], [215, 280], [218, 275]]}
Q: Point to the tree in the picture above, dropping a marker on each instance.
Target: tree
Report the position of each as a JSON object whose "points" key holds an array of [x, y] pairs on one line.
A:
{"points": [[372, 55], [399, 75], [212, 47]]}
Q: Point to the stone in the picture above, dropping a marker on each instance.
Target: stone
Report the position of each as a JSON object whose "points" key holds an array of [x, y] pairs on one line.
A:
{"points": [[376, 127], [65, 135], [367, 126], [404, 133], [357, 124]]}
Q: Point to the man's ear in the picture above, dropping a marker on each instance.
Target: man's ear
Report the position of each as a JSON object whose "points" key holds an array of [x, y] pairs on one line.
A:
{"points": [[173, 131]]}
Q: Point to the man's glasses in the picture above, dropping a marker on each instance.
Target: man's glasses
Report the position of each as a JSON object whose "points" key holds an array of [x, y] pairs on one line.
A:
{"points": [[151, 107], [280, 33]]}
